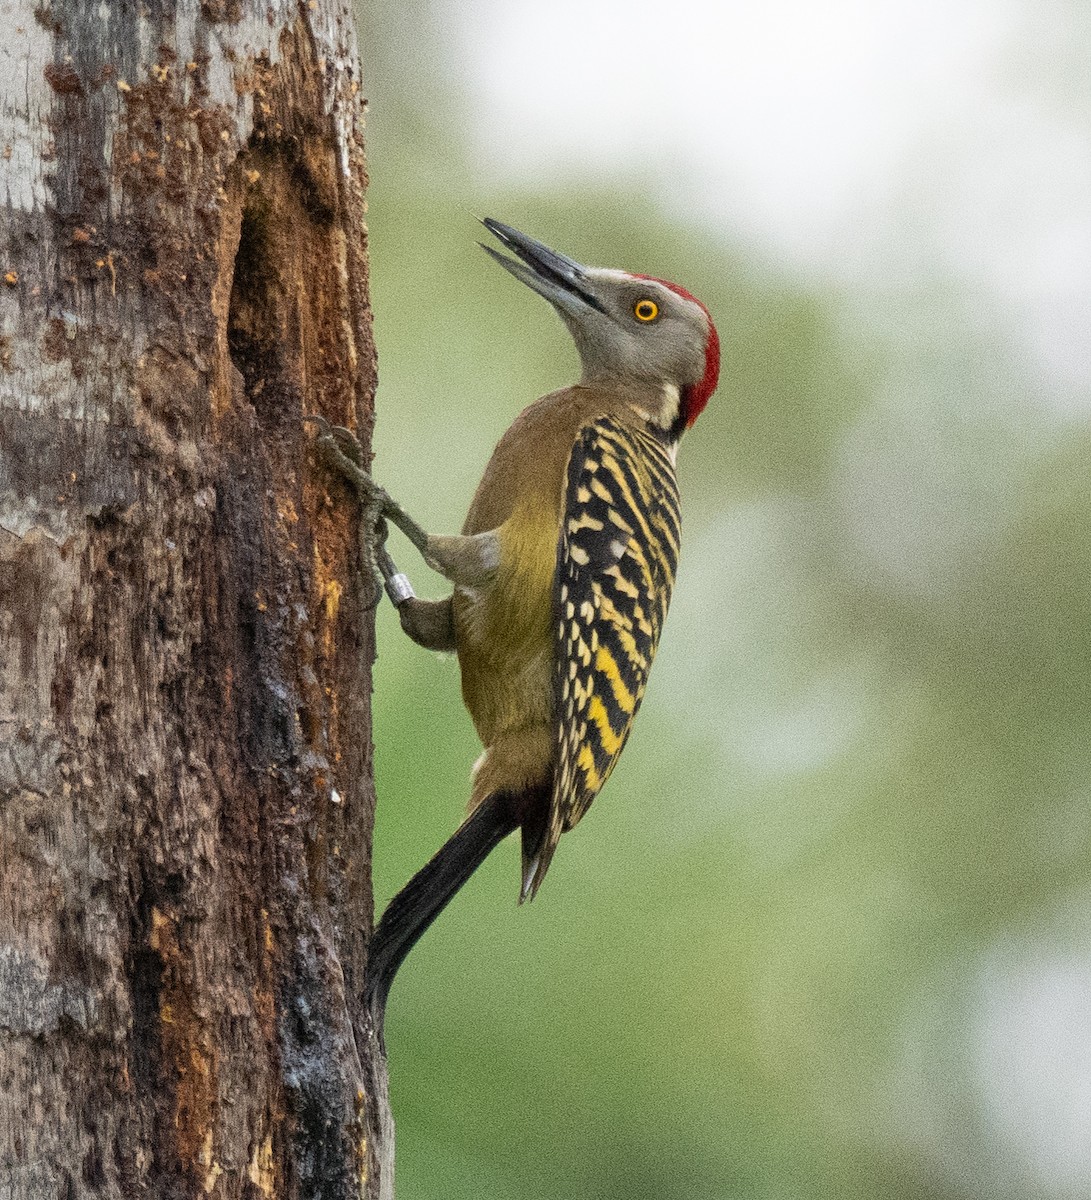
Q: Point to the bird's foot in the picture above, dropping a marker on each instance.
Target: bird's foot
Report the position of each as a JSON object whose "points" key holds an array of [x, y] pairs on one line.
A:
{"points": [[340, 449]]}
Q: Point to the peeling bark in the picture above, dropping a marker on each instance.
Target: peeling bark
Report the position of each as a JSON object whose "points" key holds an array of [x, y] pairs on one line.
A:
{"points": [[185, 758]]}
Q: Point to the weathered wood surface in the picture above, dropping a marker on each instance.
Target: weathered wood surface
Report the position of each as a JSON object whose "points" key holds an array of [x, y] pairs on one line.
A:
{"points": [[185, 805]]}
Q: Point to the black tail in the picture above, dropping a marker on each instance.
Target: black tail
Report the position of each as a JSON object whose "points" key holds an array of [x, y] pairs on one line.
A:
{"points": [[426, 895]]}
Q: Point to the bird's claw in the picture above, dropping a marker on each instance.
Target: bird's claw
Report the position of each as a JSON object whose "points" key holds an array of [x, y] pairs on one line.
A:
{"points": [[376, 553], [347, 442], [340, 449]]}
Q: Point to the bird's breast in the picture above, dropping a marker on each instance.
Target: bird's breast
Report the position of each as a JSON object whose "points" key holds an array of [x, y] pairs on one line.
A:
{"points": [[503, 629]]}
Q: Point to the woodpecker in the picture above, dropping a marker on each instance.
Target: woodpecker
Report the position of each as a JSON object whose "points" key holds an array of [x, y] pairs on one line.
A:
{"points": [[562, 573]]}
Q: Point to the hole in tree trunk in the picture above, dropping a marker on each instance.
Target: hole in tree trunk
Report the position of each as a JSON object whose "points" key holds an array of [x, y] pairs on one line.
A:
{"points": [[256, 333]]}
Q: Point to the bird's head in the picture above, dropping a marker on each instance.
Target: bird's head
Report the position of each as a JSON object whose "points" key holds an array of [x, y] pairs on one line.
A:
{"points": [[646, 337]]}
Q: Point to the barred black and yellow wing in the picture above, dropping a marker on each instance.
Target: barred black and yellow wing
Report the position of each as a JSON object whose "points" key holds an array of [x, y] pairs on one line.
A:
{"points": [[616, 560]]}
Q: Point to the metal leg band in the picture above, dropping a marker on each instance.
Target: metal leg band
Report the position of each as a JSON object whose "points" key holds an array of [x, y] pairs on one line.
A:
{"points": [[399, 589]]}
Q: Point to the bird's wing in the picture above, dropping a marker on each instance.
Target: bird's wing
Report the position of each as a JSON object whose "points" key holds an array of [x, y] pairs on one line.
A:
{"points": [[616, 559]]}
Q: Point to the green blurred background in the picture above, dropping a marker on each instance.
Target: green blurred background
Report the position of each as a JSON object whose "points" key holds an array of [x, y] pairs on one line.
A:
{"points": [[826, 931]]}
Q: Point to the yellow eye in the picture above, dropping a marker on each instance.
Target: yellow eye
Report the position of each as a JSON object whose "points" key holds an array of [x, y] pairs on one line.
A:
{"points": [[646, 310]]}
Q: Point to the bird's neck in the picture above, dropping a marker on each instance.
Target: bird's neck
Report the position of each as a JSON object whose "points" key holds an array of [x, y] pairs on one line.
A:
{"points": [[659, 405]]}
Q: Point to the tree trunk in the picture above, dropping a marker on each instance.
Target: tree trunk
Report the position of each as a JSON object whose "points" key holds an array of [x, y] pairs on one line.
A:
{"points": [[185, 757]]}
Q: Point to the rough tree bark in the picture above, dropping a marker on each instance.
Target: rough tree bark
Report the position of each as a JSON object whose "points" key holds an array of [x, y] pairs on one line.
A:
{"points": [[185, 756]]}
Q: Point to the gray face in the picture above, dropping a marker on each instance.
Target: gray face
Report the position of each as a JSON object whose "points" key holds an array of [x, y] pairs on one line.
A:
{"points": [[641, 332], [632, 333]]}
